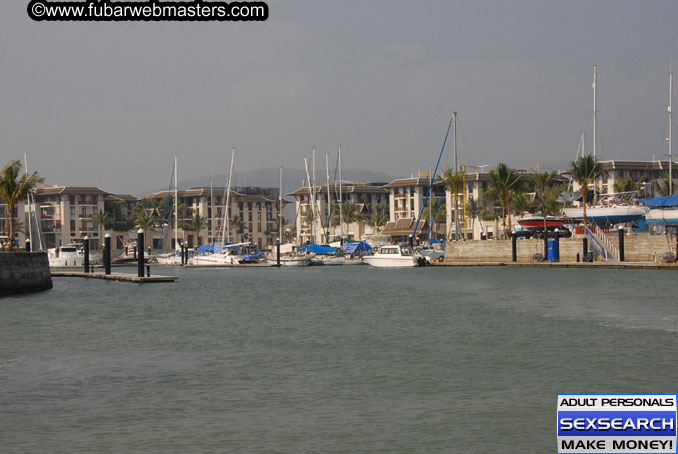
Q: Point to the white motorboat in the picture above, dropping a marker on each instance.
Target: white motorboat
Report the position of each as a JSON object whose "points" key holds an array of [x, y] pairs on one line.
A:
{"points": [[171, 258], [232, 254], [291, 260], [68, 256], [431, 253], [329, 260], [395, 255]]}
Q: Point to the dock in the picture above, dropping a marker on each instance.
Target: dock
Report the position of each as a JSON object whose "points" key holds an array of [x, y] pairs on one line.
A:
{"points": [[594, 265], [122, 277]]}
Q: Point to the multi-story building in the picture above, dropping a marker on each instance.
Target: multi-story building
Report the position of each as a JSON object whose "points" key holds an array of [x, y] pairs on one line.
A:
{"points": [[64, 214], [406, 199], [646, 173], [366, 199], [252, 216]]}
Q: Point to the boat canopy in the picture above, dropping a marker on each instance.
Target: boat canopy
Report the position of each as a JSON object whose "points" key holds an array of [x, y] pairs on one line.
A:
{"points": [[362, 247], [319, 249], [663, 201]]}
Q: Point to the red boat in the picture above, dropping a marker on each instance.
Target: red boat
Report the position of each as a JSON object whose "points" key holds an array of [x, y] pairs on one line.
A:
{"points": [[536, 222]]}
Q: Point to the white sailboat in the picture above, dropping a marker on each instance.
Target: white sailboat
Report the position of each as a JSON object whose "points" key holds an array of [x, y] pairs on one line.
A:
{"points": [[173, 258]]}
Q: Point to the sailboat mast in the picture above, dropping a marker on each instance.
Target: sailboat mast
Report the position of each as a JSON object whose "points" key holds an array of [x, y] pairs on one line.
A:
{"points": [[211, 209], [30, 207], [176, 205], [456, 164], [595, 119], [670, 133], [310, 198], [341, 202], [226, 232], [329, 202], [280, 206]]}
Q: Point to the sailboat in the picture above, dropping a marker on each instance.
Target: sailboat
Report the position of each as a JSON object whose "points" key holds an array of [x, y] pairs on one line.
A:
{"points": [[173, 258], [613, 208]]}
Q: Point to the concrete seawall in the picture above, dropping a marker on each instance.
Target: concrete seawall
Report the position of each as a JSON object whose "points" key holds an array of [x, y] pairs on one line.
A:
{"points": [[638, 248], [22, 272]]}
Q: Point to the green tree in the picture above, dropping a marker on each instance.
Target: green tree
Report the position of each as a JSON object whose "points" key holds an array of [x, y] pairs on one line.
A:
{"points": [[542, 181], [14, 188], [350, 214], [196, 224], [627, 185], [504, 182], [454, 182], [145, 221], [585, 171], [101, 220], [238, 225], [662, 187]]}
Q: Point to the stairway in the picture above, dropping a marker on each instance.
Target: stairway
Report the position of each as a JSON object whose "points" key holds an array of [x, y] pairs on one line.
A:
{"points": [[602, 243]]}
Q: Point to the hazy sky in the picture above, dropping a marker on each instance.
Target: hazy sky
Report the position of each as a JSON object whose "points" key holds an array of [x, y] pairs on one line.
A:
{"points": [[110, 104]]}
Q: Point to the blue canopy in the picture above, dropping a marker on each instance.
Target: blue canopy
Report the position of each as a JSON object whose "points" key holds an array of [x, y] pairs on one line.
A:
{"points": [[663, 201], [319, 249], [362, 247], [202, 250]]}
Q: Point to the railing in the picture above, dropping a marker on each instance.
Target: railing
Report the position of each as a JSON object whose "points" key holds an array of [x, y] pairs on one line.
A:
{"points": [[602, 243]]}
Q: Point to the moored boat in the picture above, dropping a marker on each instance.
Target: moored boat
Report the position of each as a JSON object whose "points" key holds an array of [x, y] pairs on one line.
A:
{"points": [[395, 255], [65, 256]]}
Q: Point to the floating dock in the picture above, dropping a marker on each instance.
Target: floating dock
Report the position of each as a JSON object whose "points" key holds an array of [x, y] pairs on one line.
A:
{"points": [[123, 277]]}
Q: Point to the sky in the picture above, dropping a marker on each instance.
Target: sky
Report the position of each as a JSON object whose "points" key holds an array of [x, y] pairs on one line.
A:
{"points": [[109, 104]]}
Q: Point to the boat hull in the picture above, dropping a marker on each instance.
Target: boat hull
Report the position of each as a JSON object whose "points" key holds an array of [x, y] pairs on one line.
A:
{"points": [[389, 262], [609, 215], [662, 216]]}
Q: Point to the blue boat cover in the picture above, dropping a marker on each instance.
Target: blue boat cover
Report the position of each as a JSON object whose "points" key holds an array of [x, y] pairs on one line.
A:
{"points": [[202, 250], [362, 247], [319, 249], [663, 201]]}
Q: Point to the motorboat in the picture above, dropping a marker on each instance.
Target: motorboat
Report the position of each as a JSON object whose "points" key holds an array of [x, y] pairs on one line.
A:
{"points": [[431, 253], [170, 258], [291, 260], [68, 256], [329, 260], [232, 254], [396, 255]]}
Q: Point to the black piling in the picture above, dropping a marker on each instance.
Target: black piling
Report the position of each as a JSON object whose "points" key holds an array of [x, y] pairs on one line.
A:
{"points": [[28, 245], [278, 253], [586, 248], [140, 255], [514, 248], [107, 254], [85, 243], [621, 245]]}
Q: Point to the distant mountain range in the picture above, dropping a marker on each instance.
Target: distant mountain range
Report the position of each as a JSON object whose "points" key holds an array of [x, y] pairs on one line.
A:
{"points": [[292, 179]]}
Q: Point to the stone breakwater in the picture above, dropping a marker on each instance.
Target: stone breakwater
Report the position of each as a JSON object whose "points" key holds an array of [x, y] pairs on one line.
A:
{"points": [[24, 272]]}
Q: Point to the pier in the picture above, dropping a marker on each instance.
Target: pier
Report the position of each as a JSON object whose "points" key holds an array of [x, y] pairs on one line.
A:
{"points": [[594, 265], [122, 277]]}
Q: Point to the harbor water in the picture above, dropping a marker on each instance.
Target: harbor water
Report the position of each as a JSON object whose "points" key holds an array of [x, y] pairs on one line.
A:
{"points": [[328, 359]]}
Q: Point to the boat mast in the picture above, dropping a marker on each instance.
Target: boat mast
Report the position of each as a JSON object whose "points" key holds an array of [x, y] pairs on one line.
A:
{"points": [[30, 207], [670, 134], [456, 165], [341, 201], [176, 204], [329, 203], [595, 120], [310, 198], [280, 207], [226, 231], [211, 209]]}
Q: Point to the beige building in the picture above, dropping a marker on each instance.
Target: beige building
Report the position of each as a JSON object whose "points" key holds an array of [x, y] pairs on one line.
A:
{"points": [[256, 207], [646, 172], [367, 198]]}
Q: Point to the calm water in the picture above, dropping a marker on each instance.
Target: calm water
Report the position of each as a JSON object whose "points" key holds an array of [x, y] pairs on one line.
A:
{"points": [[337, 359]]}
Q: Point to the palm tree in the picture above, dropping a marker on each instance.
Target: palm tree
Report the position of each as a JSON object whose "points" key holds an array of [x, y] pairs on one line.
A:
{"points": [[349, 213], [144, 221], [543, 180], [101, 219], [238, 225], [14, 188], [628, 185], [585, 171], [196, 224], [377, 220], [454, 182], [504, 182], [662, 187]]}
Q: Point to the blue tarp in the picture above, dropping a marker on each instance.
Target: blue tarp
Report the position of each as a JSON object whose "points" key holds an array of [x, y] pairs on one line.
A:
{"points": [[663, 201], [202, 250], [363, 247], [319, 249]]}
